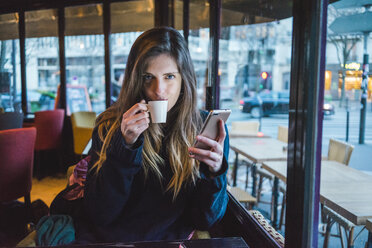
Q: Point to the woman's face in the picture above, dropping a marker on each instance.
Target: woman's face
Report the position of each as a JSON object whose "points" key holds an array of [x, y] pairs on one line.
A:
{"points": [[162, 80]]}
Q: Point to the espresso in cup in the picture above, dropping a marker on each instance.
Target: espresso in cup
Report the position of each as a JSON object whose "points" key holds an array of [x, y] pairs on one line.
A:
{"points": [[158, 110]]}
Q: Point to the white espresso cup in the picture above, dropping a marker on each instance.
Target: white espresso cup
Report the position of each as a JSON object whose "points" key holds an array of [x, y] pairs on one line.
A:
{"points": [[158, 110]]}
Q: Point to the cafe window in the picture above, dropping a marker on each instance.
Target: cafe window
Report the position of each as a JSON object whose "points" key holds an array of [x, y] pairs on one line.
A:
{"points": [[85, 52], [124, 32], [255, 62], [255, 50], [42, 67], [10, 81]]}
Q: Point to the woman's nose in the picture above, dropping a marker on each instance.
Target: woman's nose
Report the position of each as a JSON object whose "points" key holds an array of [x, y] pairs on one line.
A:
{"points": [[159, 87]]}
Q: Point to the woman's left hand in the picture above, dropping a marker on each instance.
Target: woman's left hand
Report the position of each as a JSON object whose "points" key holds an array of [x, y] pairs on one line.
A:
{"points": [[213, 157]]}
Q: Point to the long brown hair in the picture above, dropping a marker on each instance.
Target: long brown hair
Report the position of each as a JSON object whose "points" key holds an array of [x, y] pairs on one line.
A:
{"points": [[185, 116]]}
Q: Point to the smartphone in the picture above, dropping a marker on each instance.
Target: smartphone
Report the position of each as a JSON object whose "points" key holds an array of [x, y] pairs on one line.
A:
{"points": [[210, 126]]}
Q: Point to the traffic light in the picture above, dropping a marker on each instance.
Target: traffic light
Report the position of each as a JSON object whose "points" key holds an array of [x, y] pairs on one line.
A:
{"points": [[264, 77]]}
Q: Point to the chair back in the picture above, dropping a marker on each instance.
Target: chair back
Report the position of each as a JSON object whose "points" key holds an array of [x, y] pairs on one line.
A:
{"points": [[11, 120], [245, 127], [83, 119], [82, 127], [17, 159], [49, 125], [340, 151], [283, 134]]}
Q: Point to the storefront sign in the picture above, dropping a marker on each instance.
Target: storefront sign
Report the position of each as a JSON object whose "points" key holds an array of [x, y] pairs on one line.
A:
{"points": [[352, 66]]}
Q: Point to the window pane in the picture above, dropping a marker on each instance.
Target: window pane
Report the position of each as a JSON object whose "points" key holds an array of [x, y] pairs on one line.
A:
{"points": [[254, 65], [198, 41], [344, 67], [124, 33], [343, 92], [10, 81], [42, 63], [199, 45], [85, 54], [254, 70]]}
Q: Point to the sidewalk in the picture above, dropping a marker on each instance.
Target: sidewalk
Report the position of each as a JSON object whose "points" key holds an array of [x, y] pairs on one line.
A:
{"points": [[361, 157]]}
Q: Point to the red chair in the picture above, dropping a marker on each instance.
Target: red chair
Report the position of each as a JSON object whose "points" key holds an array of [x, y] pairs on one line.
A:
{"points": [[49, 125], [17, 159]]}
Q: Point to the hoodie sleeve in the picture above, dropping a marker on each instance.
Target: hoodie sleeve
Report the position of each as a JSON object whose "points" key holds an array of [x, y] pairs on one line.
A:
{"points": [[210, 197]]}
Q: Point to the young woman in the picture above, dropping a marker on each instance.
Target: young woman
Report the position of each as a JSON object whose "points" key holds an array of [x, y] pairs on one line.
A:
{"points": [[145, 180]]}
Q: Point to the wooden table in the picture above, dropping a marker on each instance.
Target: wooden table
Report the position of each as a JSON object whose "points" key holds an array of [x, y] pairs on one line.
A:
{"points": [[257, 150], [345, 190]]}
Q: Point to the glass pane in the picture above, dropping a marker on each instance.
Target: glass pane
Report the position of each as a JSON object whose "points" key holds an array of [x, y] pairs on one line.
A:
{"points": [[198, 45], [344, 88], [254, 64], [124, 33], [198, 41], [42, 63], [85, 56], [254, 70], [344, 70], [10, 81]]}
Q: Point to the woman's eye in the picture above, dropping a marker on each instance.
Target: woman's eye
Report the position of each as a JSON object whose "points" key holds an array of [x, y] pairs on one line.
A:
{"points": [[170, 76], [147, 77]]}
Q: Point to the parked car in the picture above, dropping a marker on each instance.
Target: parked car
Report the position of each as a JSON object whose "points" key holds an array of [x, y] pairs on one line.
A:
{"points": [[272, 102], [37, 100], [9, 103]]}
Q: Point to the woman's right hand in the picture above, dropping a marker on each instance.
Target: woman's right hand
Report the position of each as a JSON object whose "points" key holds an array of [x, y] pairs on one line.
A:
{"points": [[134, 122]]}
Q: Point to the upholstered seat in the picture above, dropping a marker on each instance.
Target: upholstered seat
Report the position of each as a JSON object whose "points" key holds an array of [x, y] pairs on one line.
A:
{"points": [[49, 126], [82, 128], [17, 159]]}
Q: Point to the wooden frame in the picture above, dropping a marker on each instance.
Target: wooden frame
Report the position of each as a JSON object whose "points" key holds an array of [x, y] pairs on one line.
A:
{"points": [[239, 222], [305, 122]]}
